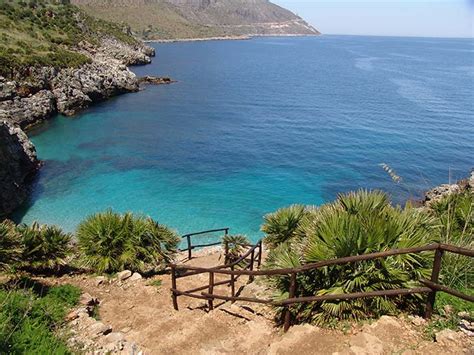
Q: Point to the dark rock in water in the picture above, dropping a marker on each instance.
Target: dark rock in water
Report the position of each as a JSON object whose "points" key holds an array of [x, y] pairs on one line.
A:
{"points": [[155, 80], [18, 165]]}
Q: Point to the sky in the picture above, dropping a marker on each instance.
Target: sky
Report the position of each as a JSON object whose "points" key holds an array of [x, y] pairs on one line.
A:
{"points": [[424, 18]]}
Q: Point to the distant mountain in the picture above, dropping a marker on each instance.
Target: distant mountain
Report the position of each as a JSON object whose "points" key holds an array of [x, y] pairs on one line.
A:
{"points": [[174, 19]]}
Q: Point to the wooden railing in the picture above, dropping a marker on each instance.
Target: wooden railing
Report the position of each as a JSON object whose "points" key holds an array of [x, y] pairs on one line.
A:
{"points": [[245, 262], [190, 247], [430, 286]]}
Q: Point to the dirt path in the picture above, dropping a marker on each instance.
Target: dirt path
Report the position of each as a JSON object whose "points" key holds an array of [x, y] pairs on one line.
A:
{"points": [[145, 315]]}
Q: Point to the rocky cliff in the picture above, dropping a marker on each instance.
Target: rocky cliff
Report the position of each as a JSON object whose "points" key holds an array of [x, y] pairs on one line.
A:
{"points": [[174, 19], [74, 60], [49, 90], [18, 165], [54, 58]]}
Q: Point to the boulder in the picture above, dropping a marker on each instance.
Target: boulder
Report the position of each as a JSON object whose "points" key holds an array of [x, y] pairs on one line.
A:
{"points": [[99, 328], [417, 321], [466, 327], [123, 275], [99, 280], [135, 277], [87, 300], [72, 316], [155, 80], [114, 337]]}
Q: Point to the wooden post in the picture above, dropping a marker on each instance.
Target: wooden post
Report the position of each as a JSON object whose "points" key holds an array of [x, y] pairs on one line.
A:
{"points": [[259, 263], [232, 282], [226, 251], [430, 302], [291, 294], [173, 285], [252, 261], [211, 290], [188, 237], [226, 231]]}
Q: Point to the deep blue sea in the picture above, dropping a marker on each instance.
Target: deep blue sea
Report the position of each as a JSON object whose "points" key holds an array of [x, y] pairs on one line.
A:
{"points": [[259, 124]]}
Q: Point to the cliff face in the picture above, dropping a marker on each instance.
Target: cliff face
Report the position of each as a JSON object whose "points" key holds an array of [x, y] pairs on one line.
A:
{"points": [[75, 61], [48, 90], [18, 164], [172, 19], [65, 61]]}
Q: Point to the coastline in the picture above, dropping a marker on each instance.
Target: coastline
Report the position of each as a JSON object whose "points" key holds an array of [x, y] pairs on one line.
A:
{"points": [[227, 38]]}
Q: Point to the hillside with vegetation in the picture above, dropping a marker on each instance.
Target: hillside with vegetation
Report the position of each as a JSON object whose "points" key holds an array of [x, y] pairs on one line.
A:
{"points": [[49, 33], [178, 19]]}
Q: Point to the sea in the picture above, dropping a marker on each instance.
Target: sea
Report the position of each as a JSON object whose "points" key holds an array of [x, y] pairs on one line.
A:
{"points": [[255, 125]]}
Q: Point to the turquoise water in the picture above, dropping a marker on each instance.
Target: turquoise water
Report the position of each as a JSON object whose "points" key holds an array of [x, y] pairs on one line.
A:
{"points": [[255, 125]]}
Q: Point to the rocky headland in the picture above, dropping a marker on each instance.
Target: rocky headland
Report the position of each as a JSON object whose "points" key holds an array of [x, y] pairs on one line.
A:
{"points": [[26, 101], [31, 93]]}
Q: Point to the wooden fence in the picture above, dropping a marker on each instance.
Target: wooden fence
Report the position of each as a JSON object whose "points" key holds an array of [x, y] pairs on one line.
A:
{"points": [[429, 287], [190, 247]]}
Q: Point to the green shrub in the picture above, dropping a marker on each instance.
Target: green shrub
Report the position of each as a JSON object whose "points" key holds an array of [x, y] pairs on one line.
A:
{"points": [[235, 245], [111, 242], [44, 247], [455, 215], [282, 225], [10, 245], [28, 321], [356, 223]]}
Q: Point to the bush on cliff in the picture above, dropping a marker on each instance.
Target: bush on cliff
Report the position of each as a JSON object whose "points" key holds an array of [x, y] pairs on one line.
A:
{"points": [[455, 215], [235, 246], [10, 245], [30, 315], [356, 223], [44, 247], [47, 34], [283, 224], [111, 242]]}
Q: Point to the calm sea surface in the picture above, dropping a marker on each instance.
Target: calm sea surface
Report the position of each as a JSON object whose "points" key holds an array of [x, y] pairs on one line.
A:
{"points": [[256, 125]]}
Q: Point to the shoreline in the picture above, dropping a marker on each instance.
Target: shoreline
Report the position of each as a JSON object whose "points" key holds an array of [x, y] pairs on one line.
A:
{"points": [[226, 38]]}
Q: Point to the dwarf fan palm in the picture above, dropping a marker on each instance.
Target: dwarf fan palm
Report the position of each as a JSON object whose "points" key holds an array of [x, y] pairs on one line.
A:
{"points": [[283, 224], [356, 223], [10, 245], [111, 242], [234, 245], [44, 247]]}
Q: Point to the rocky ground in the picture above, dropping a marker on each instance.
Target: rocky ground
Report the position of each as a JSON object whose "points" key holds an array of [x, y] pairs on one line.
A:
{"points": [[136, 316], [439, 192], [46, 91]]}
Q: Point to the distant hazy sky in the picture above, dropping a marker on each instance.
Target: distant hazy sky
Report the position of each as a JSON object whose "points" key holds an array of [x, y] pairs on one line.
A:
{"points": [[433, 18]]}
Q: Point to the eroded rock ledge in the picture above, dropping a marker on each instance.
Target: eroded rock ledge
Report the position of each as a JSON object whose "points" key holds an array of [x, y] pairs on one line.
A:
{"points": [[18, 165], [47, 91]]}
